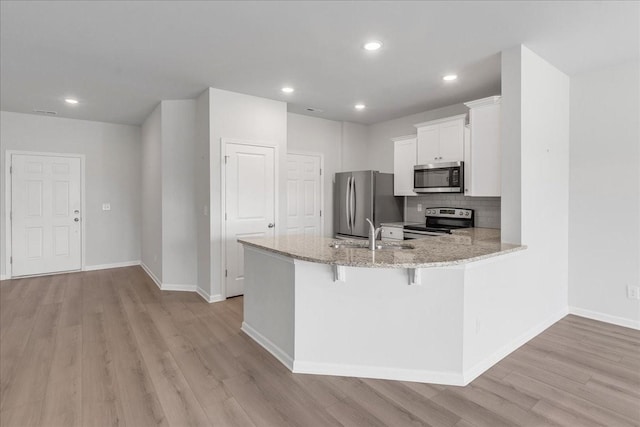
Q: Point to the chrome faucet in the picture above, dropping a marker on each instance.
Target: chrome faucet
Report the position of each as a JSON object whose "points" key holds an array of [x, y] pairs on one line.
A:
{"points": [[373, 233]]}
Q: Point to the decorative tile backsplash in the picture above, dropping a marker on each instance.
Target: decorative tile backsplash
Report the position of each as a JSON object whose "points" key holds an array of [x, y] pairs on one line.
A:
{"points": [[486, 209]]}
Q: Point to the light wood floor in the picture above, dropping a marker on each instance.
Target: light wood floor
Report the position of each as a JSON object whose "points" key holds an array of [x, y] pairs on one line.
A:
{"points": [[108, 348]]}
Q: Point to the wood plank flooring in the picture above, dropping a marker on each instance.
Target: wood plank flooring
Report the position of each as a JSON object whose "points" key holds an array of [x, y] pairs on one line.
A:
{"points": [[107, 348]]}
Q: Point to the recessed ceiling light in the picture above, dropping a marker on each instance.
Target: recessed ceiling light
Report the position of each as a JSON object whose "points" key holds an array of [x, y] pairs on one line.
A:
{"points": [[360, 106], [287, 89], [449, 77], [372, 45], [71, 101]]}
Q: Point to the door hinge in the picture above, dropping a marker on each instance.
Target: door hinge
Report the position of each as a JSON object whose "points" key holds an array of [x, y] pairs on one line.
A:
{"points": [[320, 212], [320, 171], [10, 260], [10, 169], [226, 273], [10, 215], [225, 216], [226, 158]]}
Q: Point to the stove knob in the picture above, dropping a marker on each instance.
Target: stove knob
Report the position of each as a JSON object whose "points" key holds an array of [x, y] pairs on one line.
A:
{"points": [[461, 213], [467, 214]]}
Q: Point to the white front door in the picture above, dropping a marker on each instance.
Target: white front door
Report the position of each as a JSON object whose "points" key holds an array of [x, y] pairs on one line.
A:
{"points": [[46, 233], [250, 201], [303, 194]]}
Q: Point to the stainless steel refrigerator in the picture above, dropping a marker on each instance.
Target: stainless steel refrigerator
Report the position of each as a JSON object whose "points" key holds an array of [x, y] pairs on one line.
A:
{"points": [[360, 195]]}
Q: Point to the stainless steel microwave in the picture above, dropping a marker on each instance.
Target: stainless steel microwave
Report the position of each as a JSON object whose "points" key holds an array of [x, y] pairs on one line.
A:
{"points": [[446, 177]]}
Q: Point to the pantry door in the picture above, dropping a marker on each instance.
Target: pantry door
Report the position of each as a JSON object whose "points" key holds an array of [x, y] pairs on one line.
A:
{"points": [[304, 194], [46, 230], [250, 204]]}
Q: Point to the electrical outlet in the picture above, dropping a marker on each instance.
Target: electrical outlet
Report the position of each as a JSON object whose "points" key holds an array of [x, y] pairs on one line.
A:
{"points": [[419, 207], [633, 292], [106, 206]]}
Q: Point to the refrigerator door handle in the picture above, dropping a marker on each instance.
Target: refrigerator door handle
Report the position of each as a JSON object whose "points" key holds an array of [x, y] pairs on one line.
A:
{"points": [[353, 202], [348, 203]]}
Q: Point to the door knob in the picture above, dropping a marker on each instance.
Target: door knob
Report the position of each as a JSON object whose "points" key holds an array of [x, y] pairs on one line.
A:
{"points": [[76, 219], [271, 225]]}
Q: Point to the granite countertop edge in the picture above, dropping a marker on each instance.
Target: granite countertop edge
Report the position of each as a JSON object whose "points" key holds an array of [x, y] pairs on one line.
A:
{"points": [[344, 257]]}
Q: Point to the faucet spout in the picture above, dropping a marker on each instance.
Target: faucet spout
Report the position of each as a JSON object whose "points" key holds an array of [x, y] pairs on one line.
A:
{"points": [[373, 233]]}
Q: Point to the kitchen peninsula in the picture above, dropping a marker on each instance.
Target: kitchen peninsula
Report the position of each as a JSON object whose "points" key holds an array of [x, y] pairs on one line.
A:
{"points": [[430, 310]]}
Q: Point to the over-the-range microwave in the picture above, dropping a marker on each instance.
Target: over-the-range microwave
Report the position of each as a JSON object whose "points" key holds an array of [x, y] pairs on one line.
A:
{"points": [[446, 177]]}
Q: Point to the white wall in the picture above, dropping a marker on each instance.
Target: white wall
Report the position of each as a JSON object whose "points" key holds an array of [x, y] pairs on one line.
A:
{"points": [[604, 200], [179, 243], [541, 135], [317, 135], [169, 244], [151, 170], [355, 147], [511, 163], [202, 195], [380, 146], [112, 174], [248, 118]]}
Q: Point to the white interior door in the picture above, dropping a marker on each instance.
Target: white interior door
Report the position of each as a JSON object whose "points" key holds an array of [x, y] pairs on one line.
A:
{"points": [[46, 233], [303, 194], [250, 201]]}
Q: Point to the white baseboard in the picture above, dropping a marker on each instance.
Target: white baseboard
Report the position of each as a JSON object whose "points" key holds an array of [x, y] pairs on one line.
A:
{"points": [[378, 372], [607, 318], [479, 368], [209, 298], [167, 286], [276, 351], [4, 277], [150, 274], [176, 287], [113, 265]]}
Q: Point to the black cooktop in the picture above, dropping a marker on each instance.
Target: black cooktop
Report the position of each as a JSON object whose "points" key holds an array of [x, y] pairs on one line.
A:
{"points": [[446, 229]]}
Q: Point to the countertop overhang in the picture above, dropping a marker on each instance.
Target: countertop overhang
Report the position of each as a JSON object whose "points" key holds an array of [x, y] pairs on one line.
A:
{"points": [[463, 246]]}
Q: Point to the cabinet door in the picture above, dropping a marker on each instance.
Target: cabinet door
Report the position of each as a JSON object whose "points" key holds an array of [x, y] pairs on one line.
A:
{"points": [[428, 144], [452, 141], [404, 159], [485, 152]]}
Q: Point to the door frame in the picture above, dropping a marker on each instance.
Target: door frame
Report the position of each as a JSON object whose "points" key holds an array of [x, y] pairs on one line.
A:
{"points": [[223, 196], [7, 205], [322, 173]]}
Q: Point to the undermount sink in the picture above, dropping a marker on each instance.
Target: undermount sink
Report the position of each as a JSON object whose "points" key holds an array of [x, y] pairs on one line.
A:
{"points": [[380, 246]]}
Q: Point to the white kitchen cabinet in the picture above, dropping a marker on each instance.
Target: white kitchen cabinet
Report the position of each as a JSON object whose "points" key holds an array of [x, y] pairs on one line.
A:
{"points": [[404, 159], [441, 140], [482, 154]]}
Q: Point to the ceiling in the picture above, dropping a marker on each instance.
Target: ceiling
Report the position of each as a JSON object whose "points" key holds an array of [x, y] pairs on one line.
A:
{"points": [[120, 58]]}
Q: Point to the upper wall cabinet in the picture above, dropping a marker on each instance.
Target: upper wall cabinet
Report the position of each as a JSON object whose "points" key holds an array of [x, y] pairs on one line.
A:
{"points": [[404, 159], [482, 151], [441, 140]]}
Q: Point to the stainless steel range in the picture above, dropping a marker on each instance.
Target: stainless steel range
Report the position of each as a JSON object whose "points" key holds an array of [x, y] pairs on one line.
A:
{"points": [[440, 221]]}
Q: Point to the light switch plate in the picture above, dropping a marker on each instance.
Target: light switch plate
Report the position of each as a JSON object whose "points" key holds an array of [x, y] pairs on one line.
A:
{"points": [[419, 207], [106, 206]]}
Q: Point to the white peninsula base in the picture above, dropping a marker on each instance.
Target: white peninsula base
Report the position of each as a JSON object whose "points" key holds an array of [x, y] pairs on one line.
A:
{"points": [[448, 329]]}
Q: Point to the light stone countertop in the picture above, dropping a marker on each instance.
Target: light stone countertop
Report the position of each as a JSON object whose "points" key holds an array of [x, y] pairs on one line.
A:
{"points": [[465, 245]]}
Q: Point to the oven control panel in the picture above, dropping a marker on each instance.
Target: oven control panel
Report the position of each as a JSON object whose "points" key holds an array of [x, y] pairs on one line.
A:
{"points": [[449, 213]]}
